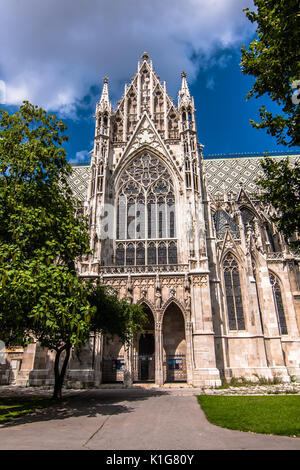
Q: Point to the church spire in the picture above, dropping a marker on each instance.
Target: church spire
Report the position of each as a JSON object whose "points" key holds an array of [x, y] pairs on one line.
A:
{"points": [[104, 103], [184, 94]]}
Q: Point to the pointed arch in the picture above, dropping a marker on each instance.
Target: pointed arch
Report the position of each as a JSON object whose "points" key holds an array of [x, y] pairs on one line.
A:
{"points": [[148, 303], [248, 215], [221, 218], [278, 302], [174, 341], [149, 310], [145, 212], [175, 301], [230, 246], [233, 294], [165, 159]]}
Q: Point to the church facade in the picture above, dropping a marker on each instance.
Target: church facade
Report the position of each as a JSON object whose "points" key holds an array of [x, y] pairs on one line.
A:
{"points": [[187, 238]]}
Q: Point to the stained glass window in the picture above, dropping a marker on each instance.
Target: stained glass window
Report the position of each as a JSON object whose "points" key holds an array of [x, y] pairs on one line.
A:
{"points": [[278, 304], [233, 294], [146, 211], [140, 254], [247, 217], [172, 253], [120, 255], [162, 253], [130, 254], [152, 254]]}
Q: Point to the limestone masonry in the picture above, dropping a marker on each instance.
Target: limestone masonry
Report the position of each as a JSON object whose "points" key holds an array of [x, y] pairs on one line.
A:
{"points": [[188, 239]]}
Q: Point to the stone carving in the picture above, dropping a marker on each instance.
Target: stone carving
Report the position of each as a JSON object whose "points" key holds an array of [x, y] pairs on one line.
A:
{"points": [[158, 300], [172, 281], [143, 282], [187, 301], [172, 292], [144, 293], [200, 280]]}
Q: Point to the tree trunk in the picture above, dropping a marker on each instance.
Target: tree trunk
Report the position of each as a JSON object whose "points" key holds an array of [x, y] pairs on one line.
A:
{"points": [[60, 374]]}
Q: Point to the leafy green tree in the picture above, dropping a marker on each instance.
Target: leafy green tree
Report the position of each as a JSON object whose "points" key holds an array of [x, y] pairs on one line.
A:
{"points": [[41, 236], [114, 316], [280, 186], [273, 58]]}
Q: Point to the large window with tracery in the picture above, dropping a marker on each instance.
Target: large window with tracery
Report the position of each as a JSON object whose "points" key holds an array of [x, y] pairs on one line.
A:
{"points": [[146, 221], [278, 304], [233, 293]]}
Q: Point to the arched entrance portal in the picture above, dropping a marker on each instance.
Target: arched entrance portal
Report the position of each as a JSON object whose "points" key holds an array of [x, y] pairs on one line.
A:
{"points": [[144, 363], [174, 345]]}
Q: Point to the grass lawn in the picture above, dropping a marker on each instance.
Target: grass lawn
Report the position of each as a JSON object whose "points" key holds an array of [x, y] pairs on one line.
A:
{"points": [[13, 407], [264, 414]]}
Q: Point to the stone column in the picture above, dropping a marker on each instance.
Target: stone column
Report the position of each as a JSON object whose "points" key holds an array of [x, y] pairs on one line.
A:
{"points": [[128, 371], [159, 373], [189, 351], [98, 356], [272, 339]]}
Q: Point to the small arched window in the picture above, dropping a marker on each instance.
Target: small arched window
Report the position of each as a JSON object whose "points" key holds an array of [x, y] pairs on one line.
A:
{"points": [[162, 253], [278, 304], [151, 254], [247, 217], [140, 254], [130, 255], [172, 253], [233, 293], [120, 255]]}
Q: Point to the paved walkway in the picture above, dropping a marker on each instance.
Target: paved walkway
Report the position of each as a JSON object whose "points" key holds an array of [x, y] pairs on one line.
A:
{"points": [[130, 419]]}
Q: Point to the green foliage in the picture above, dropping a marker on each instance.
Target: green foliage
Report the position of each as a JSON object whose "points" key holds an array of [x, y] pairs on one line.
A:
{"points": [[276, 380], [114, 316], [37, 209], [273, 59], [243, 382], [280, 186], [40, 234]]}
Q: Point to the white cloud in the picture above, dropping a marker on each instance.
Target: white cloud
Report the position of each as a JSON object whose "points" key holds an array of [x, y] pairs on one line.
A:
{"points": [[82, 156], [53, 51], [210, 83]]}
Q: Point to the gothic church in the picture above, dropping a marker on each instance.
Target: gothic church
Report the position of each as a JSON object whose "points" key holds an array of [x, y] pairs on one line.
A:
{"points": [[185, 237]]}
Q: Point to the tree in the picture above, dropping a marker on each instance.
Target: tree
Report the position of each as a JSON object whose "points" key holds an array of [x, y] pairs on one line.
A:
{"points": [[113, 316], [281, 188], [273, 58], [41, 236]]}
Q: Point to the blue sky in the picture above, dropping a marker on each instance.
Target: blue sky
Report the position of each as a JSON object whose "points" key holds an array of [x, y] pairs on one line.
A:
{"points": [[60, 51]]}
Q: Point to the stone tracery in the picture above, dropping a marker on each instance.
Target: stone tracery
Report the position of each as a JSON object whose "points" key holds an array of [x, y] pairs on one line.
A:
{"points": [[146, 212]]}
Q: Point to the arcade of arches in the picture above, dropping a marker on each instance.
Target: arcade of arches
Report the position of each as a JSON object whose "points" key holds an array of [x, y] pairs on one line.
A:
{"points": [[156, 350]]}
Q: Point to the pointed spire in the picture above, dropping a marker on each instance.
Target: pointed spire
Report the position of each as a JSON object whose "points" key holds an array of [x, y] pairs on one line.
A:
{"points": [[184, 92], [145, 56], [104, 103], [184, 97]]}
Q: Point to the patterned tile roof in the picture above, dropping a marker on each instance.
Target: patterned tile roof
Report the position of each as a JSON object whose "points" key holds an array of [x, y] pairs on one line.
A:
{"points": [[220, 173], [230, 173], [79, 181]]}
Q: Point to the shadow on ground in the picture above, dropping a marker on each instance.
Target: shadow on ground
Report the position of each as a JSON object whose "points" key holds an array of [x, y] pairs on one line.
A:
{"points": [[89, 403]]}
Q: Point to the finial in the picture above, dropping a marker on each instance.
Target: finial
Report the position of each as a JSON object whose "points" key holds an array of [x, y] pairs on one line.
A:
{"points": [[105, 80], [183, 74], [145, 56]]}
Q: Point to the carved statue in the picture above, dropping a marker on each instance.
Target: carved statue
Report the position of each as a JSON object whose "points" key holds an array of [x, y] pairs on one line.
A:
{"points": [[187, 301], [172, 292], [158, 300]]}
